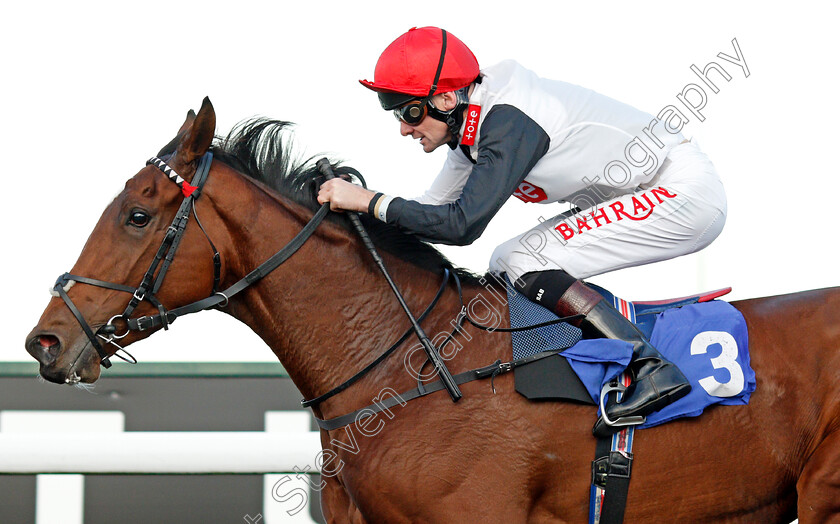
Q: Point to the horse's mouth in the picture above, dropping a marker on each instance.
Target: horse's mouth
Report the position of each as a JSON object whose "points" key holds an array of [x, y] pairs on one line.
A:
{"points": [[62, 376], [58, 376]]}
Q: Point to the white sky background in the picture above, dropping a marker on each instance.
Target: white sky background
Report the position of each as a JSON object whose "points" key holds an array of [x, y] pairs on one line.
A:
{"points": [[91, 90]]}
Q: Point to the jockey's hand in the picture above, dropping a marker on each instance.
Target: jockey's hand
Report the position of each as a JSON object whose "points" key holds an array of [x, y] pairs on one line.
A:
{"points": [[344, 196]]}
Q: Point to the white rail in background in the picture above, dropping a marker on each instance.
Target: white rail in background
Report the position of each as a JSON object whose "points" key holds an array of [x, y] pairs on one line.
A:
{"points": [[62, 446]]}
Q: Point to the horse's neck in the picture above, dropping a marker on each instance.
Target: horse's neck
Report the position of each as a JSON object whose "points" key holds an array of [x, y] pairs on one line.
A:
{"points": [[326, 311]]}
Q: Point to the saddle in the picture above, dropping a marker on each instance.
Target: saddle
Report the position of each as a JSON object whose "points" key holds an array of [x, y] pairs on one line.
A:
{"points": [[645, 313], [574, 372]]}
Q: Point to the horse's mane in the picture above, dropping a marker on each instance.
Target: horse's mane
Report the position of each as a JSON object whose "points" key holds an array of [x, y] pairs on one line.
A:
{"points": [[260, 148]]}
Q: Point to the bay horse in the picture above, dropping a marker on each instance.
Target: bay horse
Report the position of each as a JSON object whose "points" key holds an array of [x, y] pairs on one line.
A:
{"points": [[492, 457]]}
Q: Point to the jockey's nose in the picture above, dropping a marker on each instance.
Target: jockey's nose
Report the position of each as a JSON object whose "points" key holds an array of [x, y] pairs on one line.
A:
{"points": [[405, 129]]}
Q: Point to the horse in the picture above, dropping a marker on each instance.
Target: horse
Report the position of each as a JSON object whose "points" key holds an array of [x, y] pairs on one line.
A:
{"points": [[326, 312]]}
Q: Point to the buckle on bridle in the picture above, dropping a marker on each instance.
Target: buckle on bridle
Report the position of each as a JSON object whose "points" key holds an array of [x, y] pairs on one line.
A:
{"points": [[139, 298], [140, 323]]}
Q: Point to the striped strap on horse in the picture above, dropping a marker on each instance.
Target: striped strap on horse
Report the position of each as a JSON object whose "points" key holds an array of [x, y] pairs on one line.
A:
{"points": [[613, 459]]}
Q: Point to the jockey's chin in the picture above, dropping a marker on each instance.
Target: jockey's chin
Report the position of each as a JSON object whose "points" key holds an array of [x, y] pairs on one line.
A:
{"points": [[429, 146]]}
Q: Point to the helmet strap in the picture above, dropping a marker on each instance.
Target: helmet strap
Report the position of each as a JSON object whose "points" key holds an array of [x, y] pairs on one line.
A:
{"points": [[454, 118], [433, 88]]}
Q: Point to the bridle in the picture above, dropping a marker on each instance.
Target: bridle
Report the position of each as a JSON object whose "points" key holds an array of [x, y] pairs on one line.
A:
{"points": [[154, 275]]}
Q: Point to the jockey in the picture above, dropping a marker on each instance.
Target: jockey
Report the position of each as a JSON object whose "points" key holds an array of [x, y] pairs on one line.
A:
{"points": [[643, 192]]}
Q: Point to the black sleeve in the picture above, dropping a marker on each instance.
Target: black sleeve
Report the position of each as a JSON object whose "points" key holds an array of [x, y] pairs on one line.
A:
{"points": [[509, 146]]}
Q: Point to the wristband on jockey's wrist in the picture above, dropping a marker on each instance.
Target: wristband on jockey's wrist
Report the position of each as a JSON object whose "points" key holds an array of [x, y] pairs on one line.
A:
{"points": [[378, 206]]}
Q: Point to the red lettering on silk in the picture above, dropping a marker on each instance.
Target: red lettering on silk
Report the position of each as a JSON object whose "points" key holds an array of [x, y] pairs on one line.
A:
{"points": [[618, 209], [638, 206], [600, 213], [564, 229], [662, 191], [582, 224], [600, 217], [528, 192]]}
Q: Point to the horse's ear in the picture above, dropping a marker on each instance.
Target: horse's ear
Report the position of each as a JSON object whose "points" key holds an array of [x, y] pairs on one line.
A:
{"points": [[170, 148], [200, 130], [187, 123]]}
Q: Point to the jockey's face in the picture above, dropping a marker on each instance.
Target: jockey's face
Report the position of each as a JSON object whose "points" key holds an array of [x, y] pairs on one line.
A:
{"points": [[432, 133]]}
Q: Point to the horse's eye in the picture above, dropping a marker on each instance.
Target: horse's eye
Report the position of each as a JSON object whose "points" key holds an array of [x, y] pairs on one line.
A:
{"points": [[138, 218]]}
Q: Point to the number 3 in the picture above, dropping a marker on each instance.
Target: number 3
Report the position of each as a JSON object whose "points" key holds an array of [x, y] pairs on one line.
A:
{"points": [[725, 360]]}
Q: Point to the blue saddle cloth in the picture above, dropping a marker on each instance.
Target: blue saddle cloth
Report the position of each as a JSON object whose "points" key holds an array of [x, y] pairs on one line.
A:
{"points": [[708, 341]]}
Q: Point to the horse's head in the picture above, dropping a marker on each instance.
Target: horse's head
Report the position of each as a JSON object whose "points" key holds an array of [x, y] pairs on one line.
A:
{"points": [[70, 345]]}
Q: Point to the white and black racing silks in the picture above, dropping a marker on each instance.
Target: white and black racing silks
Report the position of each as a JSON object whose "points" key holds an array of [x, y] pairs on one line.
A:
{"points": [[542, 141]]}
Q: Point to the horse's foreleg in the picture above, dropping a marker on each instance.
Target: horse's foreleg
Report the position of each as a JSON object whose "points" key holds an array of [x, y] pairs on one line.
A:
{"points": [[819, 484]]}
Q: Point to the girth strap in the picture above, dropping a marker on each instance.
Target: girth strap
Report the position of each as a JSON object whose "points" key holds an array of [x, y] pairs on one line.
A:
{"points": [[611, 473]]}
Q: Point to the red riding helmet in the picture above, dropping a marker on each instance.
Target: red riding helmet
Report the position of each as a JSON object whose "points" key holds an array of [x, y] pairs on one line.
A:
{"points": [[407, 68]]}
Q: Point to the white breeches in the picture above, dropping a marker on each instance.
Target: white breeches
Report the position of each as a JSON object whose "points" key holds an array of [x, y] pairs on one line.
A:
{"points": [[681, 211]]}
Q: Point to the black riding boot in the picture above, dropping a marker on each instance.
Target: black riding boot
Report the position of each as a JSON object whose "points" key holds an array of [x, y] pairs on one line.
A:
{"points": [[656, 381]]}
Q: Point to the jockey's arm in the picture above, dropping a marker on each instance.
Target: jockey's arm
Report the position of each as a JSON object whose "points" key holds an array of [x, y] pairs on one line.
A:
{"points": [[510, 144]]}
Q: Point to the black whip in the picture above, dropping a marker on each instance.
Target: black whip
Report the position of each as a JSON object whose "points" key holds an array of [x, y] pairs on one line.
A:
{"points": [[431, 351]]}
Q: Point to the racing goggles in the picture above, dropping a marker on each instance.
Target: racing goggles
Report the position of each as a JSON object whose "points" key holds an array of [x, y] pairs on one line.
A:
{"points": [[413, 112]]}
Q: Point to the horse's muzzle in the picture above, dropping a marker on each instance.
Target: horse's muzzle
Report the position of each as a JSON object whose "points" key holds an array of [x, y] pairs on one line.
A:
{"points": [[47, 349]]}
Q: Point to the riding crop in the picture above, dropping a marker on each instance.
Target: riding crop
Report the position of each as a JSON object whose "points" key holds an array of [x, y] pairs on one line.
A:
{"points": [[431, 351]]}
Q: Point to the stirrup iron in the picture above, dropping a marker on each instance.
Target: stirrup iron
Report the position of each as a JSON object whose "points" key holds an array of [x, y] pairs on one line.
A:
{"points": [[621, 421]]}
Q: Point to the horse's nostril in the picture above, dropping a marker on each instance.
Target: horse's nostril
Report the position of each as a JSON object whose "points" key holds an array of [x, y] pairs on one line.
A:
{"points": [[47, 341], [50, 346], [45, 348]]}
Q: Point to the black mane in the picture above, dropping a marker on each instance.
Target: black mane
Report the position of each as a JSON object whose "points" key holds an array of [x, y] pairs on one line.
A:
{"points": [[259, 149]]}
